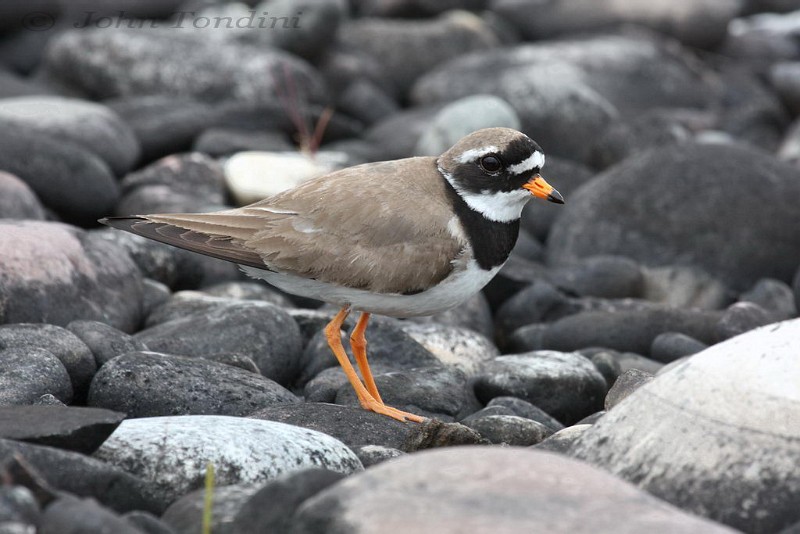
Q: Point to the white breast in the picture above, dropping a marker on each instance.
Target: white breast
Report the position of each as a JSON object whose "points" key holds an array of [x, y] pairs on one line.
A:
{"points": [[449, 293]]}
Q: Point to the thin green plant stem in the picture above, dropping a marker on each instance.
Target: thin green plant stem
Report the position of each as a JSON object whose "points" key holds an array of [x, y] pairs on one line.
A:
{"points": [[208, 498]]}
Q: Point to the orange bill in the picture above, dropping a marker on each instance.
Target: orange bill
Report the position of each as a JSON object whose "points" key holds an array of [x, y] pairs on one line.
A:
{"points": [[541, 189]]}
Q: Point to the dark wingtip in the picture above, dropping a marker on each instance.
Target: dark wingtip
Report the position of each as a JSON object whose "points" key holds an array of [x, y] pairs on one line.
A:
{"points": [[555, 197]]}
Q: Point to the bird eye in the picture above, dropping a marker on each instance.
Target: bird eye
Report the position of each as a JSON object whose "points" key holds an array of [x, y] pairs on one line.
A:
{"points": [[491, 164]]}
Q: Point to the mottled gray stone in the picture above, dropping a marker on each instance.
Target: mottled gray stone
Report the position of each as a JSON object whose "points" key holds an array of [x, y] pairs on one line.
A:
{"points": [[27, 373]]}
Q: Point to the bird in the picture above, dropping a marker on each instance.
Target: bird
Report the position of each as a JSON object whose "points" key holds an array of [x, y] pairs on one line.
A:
{"points": [[402, 238]]}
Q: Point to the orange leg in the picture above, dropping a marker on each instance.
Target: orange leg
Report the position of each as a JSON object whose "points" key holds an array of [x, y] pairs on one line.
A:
{"points": [[359, 343], [333, 333]]}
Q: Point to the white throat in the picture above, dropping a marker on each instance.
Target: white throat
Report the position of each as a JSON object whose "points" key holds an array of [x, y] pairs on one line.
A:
{"points": [[494, 205]]}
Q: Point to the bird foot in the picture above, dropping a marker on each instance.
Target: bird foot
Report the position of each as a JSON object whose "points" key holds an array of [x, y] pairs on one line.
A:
{"points": [[378, 407]]}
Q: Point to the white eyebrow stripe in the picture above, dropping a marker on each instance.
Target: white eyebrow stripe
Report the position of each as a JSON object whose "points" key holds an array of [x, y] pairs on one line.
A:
{"points": [[535, 161], [474, 153]]}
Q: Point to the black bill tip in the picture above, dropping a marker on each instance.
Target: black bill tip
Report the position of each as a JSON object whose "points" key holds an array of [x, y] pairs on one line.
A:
{"points": [[555, 197]]}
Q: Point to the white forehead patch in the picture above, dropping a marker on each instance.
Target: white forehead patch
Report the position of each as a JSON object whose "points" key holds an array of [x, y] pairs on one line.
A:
{"points": [[534, 161], [474, 153]]}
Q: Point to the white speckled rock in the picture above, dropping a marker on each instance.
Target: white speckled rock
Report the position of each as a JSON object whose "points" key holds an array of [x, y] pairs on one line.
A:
{"points": [[252, 176], [172, 452], [455, 347], [717, 435]]}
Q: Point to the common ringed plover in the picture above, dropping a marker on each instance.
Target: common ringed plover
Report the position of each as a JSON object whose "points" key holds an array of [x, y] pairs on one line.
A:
{"points": [[402, 238]]}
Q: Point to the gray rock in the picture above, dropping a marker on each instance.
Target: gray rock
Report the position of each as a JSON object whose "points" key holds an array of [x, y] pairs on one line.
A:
{"points": [[271, 508], [474, 314], [407, 49], [785, 78], [701, 24], [67, 178], [565, 385], [260, 330], [374, 454], [115, 66], [507, 429], [562, 441], [17, 199], [75, 428], [671, 346], [740, 318], [624, 330], [218, 142], [774, 296], [789, 149], [428, 391], [796, 288], [18, 506], [685, 287], [68, 515], [762, 39], [248, 291], [92, 126], [703, 433], [48, 400], [527, 410], [187, 513], [366, 101], [155, 295], [172, 452], [357, 428], [454, 347], [566, 93], [388, 347], [627, 383], [518, 481], [614, 214], [414, 8], [67, 347], [312, 27], [396, 135], [147, 384], [59, 274], [105, 342], [608, 365], [147, 523], [611, 277], [26, 373], [463, 117], [84, 476]]}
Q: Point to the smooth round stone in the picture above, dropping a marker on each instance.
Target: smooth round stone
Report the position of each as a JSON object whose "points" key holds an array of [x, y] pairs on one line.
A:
{"points": [[163, 61], [92, 126], [83, 476], [17, 199], [611, 277], [272, 507], [147, 523], [614, 213], [627, 383], [366, 101], [701, 427], [218, 142], [65, 176], [407, 49], [105, 342], [254, 176], [461, 490], [463, 117], [701, 24], [623, 330], [147, 384], [685, 287], [785, 78], [172, 452], [774, 296], [474, 314], [374, 454], [568, 92], [740, 318], [507, 429], [562, 440], [671, 346], [58, 274], [517, 406], [69, 515], [27, 373], [436, 392], [456, 348], [187, 513], [199, 326], [248, 291], [74, 354], [565, 385], [396, 135]]}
